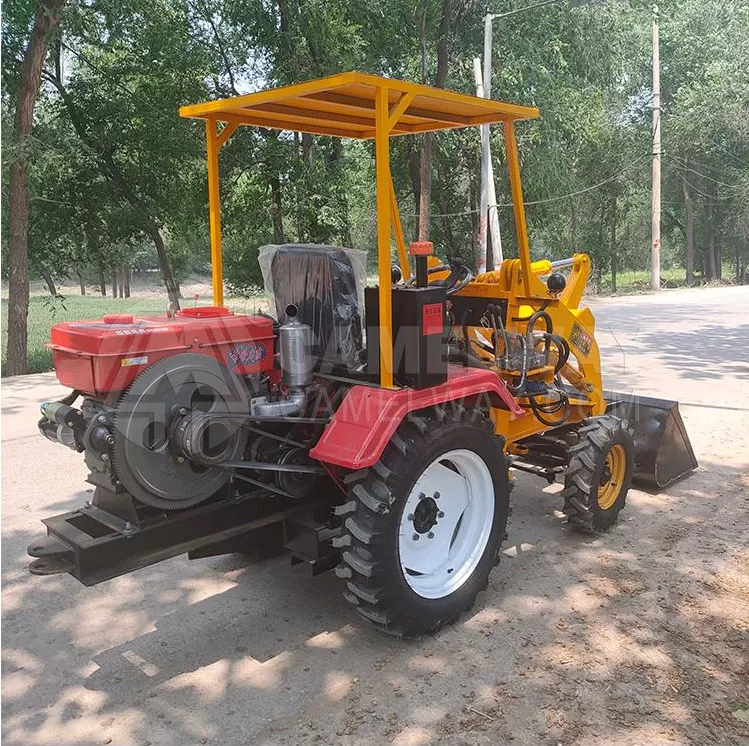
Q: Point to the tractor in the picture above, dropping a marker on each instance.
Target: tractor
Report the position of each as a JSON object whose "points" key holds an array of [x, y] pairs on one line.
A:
{"points": [[374, 431]]}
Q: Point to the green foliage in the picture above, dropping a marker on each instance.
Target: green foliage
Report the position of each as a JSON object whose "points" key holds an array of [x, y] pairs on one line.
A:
{"points": [[128, 65]]}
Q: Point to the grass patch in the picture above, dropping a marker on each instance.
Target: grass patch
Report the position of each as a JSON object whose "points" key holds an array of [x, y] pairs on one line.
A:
{"points": [[45, 312], [638, 281]]}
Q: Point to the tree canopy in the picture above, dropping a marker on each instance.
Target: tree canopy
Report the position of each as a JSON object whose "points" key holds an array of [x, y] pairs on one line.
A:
{"points": [[117, 179]]}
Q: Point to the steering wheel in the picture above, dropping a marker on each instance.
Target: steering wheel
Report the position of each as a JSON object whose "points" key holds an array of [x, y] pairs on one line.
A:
{"points": [[460, 275]]}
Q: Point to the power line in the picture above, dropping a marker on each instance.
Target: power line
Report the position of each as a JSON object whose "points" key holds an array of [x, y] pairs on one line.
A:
{"points": [[687, 167], [547, 200], [590, 188]]}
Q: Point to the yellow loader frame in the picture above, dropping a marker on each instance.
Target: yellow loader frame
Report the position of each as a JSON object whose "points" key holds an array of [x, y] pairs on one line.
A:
{"points": [[368, 107]]}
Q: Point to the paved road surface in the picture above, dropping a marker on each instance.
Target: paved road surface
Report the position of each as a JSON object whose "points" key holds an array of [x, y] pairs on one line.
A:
{"points": [[637, 636]]}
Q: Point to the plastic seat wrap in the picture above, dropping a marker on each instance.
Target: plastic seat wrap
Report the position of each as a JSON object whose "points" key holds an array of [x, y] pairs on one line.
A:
{"points": [[326, 284]]}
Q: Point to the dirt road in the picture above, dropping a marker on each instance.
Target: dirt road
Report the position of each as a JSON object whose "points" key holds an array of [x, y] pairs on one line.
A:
{"points": [[637, 636]]}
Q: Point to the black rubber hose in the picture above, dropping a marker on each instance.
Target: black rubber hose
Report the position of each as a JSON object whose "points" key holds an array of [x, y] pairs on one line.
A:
{"points": [[562, 346], [541, 314], [456, 355], [539, 410]]}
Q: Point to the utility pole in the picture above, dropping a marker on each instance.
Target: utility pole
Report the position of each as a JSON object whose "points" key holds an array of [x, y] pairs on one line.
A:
{"points": [[655, 256], [488, 189], [484, 198], [488, 219]]}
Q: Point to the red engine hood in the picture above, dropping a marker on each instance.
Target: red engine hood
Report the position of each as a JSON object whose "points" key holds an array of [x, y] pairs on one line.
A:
{"points": [[105, 355]]}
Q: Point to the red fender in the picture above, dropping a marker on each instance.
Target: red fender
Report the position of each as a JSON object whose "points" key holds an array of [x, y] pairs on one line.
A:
{"points": [[368, 417]]}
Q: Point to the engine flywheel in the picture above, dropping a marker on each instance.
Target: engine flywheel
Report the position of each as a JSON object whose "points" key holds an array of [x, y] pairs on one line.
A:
{"points": [[146, 458]]}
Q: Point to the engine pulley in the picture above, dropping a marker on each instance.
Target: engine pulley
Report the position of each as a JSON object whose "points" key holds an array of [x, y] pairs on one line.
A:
{"points": [[205, 439], [149, 454]]}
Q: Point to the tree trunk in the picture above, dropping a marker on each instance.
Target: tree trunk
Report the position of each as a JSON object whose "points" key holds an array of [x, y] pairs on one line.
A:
{"points": [[46, 19], [276, 209], [738, 263], [689, 207], [427, 142], [111, 171], [102, 283], [425, 186], [452, 247], [126, 284], [308, 150], [121, 281], [612, 246], [597, 269], [718, 245], [573, 225], [711, 272], [425, 159], [415, 176], [115, 285], [81, 281], [49, 282], [152, 229]]}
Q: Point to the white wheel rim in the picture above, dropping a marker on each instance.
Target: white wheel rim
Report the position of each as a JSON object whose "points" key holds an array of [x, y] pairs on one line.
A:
{"points": [[437, 560]]}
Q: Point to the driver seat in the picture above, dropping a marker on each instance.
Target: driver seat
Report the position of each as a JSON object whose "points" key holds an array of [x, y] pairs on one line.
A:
{"points": [[321, 282]]}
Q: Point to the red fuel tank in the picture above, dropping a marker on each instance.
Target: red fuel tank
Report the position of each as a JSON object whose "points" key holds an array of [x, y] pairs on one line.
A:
{"points": [[98, 357]]}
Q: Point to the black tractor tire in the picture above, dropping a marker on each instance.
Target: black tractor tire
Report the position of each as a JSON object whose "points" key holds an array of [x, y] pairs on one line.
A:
{"points": [[370, 558], [589, 472]]}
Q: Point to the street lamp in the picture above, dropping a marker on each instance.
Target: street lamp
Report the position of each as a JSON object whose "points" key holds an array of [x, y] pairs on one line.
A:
{"points": [[486, 168]]}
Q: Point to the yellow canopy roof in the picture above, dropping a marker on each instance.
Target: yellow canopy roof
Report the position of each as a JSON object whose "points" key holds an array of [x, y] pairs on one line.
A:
{"points": [[343, 105]]}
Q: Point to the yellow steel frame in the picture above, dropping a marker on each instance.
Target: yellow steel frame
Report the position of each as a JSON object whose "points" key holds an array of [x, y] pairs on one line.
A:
{"points": [[361, 106], [520, 285]]}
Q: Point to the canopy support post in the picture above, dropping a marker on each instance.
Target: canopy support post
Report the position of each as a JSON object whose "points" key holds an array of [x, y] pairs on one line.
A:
{"points": [[384, 186], [214, 206], [521, 229]]}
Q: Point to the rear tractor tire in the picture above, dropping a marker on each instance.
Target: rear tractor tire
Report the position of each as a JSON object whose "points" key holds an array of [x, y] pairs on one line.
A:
{"points": [[423, 527], [599, 473]]}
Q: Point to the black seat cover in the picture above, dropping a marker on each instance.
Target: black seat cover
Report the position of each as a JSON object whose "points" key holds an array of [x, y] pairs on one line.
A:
{"points": [[320, 281]]}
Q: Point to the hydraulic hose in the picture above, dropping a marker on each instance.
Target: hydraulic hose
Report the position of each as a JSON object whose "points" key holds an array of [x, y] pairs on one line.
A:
{"points": [[562, 347], [541, 314], [539, 410], [456, 355]]}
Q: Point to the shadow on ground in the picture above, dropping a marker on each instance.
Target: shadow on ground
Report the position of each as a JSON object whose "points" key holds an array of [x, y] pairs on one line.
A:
{"points": [[640, 634]]}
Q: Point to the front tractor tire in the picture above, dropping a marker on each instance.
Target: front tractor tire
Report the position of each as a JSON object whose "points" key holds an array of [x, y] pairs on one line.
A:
{"points": [[599, 474], [423, 527]]}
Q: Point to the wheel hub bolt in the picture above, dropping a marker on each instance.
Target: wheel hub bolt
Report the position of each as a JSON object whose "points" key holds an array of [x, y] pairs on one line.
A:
{"points": [[415, 537], [410, 516], [440, 514], [436, 495], [430, 535]]}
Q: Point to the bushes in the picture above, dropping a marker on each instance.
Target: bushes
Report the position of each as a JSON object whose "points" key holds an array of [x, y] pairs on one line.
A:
{"points": [[241, 269]]}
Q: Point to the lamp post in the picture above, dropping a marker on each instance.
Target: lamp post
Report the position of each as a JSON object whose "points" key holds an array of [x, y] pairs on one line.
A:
{"points": [[486, 170]]}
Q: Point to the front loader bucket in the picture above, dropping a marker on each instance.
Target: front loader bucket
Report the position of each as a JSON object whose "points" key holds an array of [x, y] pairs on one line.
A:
{"points": [[663, 452]]}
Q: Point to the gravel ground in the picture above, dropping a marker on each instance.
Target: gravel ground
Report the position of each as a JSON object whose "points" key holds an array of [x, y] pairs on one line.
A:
{"points": [[637, 636]]}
